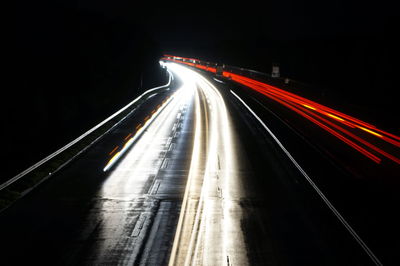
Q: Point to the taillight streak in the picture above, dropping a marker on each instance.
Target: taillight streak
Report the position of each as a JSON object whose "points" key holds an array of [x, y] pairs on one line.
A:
{"points": [[323, 126], [315, 113], [299, 108]]}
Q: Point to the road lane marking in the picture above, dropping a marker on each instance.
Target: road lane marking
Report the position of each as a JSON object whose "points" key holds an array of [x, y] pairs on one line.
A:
{"points": [[323, 197], [207, 223], [197, 227], [139, 225], [155, 187], [127, 137], [164, 164], [116, 147], [171, 147], [193, 172], [168, 141]]}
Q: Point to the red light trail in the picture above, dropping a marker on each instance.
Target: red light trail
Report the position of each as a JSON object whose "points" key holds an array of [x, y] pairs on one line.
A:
{"points": [[316, 113]]}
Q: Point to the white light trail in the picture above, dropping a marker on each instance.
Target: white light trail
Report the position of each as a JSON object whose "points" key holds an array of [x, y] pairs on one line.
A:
{"points": [[133, 139], [209, 229]]}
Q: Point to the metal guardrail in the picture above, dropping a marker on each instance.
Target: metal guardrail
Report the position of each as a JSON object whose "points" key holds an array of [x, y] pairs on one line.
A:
{"points": [[265, 76], [70, 144], [262, 76]]}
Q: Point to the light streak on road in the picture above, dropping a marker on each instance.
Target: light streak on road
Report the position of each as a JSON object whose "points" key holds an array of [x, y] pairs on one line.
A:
{"points": [[209, 231], [319, 115], [130, 140], [114, 158], [310, 107], [158, 126], [193, 173], [135, 178], [335, 117], [336, 130], [370, 131]]}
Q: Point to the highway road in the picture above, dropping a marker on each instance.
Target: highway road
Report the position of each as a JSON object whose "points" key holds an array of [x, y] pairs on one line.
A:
{"points": [[211, 172]]}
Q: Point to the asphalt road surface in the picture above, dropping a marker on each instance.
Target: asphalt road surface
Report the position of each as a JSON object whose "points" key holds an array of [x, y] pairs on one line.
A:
{"points": [[193, 177]]}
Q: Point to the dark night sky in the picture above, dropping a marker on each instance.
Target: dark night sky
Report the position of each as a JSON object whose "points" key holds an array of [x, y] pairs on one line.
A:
{"points": [[285, 19], [68, 55], [202, 28], [311, 40]]}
